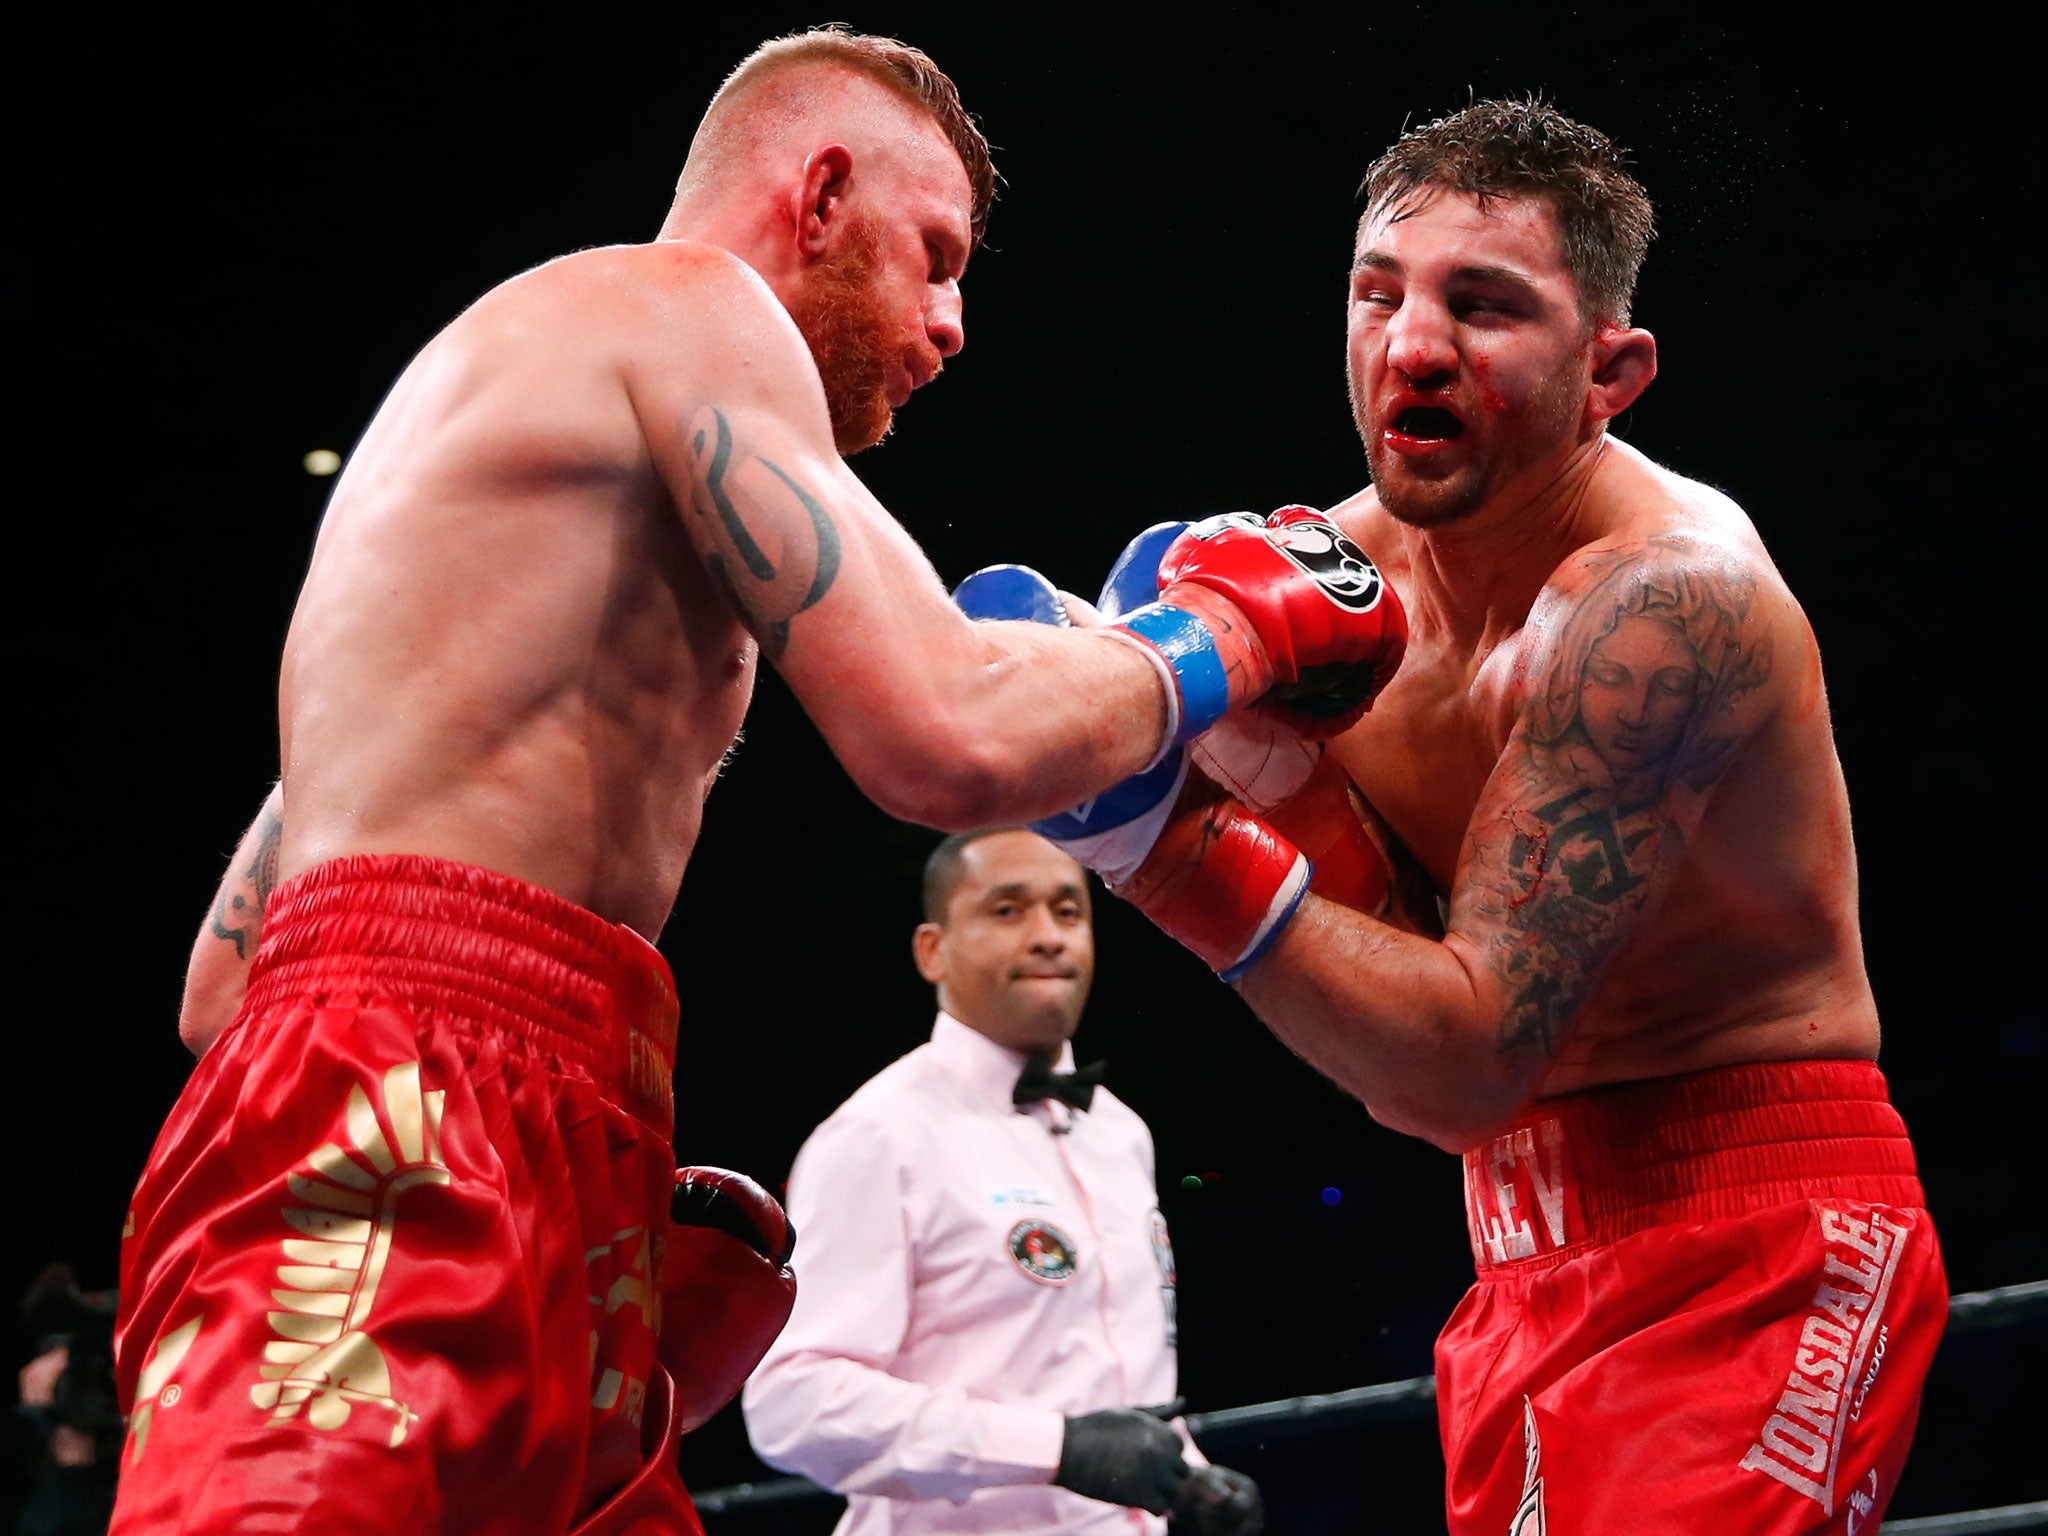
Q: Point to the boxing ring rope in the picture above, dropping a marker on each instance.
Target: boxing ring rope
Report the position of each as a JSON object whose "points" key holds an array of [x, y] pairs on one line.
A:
{"points": [[1978, 1522], [1402, 1401]]}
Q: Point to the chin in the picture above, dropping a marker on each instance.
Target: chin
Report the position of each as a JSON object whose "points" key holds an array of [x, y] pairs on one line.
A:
{"points": [[1427, 504], [860, 428], [1418, 501]]}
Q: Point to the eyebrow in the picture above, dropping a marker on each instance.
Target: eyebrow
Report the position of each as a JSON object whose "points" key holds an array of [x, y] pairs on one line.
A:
{"points": [[955, 251], [1019, 891], [1374, 261]]}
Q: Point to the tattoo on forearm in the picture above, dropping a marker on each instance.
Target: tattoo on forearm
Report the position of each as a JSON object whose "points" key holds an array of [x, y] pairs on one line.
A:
{"points": [[238, 909], [1635, 709], [768, 590]]}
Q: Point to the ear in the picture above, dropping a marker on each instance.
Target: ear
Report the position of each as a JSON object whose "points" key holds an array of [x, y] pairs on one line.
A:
{"points": [[924, 949], [1624, 362], [821, 197]]}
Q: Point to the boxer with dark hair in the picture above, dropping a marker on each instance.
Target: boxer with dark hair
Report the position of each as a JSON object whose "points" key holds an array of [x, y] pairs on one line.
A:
{"points": [[396, 1259], [1708, 1291]]}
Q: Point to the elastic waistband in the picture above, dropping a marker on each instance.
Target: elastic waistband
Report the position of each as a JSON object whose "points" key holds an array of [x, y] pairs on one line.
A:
{"points": [[1589, 1168], [482, 946]]}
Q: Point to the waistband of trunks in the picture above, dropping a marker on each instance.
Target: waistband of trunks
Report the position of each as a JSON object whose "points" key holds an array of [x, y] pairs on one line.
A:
{"points": [[483, 946], [1584, 1169]]}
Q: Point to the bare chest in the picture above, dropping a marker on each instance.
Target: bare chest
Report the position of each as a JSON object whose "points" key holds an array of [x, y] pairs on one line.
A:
{"points": [[1425, 752]]}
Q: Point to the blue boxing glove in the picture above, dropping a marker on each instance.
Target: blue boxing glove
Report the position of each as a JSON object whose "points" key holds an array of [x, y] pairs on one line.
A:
{"points": [[1134, 580], [1011, 592], [1112, 833]]}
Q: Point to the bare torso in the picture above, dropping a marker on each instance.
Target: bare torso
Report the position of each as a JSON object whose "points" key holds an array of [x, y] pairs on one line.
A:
{"points": [[506, 651], [1754, 952]]}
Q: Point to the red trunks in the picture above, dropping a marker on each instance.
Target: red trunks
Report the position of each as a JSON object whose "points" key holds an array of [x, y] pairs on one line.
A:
{"points": [[389, 1265], [1704, 1303]]}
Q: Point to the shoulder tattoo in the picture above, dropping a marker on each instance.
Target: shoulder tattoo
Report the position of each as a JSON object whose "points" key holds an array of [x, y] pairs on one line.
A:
{"points": [[1632, 713], [765, 538]]}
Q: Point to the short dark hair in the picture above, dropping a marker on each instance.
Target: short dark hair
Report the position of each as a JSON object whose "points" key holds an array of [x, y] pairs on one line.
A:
{"points": [[942, 871], [907, 71], [1527, 148]]}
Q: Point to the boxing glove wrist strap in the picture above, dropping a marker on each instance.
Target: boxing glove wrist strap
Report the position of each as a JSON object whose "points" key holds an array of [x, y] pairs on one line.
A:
{"points": [[1217, 662], [1113, 833], [1169, 679], [1223, 883]]}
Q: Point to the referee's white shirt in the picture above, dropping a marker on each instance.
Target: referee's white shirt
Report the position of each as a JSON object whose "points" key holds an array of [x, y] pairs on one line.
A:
{"points": [[968, 1274]]}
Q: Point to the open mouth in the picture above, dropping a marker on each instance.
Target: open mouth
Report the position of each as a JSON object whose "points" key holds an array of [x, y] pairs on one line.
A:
{"points": [[1428, 424]]}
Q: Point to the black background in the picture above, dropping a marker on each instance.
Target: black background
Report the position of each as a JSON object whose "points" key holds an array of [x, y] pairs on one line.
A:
{"points": [[236, 235]]}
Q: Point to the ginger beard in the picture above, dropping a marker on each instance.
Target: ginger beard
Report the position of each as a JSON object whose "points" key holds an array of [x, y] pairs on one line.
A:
{"points": [[852, 339]]}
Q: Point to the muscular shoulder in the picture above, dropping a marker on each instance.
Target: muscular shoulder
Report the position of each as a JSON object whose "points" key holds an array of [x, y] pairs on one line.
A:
{"points": [[696, 326], [1656, 655], [637, 298], [1667, 534]]}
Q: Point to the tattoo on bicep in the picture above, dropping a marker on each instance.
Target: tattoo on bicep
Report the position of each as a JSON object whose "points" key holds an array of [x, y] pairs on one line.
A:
{"points": [[261, 870], [238, 909], [1634, 710], [741, 500], [229, 905]]}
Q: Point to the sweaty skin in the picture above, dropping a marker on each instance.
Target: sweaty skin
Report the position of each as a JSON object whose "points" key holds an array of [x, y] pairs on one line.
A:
{"points": [[1608, 744], [544, 583]]}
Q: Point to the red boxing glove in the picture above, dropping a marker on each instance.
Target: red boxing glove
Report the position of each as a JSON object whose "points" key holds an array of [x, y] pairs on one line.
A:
{"points": [[1323, 821], [1317, 632], [1218, 879], [726, 1286]]}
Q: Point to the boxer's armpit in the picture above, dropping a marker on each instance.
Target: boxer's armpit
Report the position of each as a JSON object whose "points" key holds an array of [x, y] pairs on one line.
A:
{"points": [[1637, 709], [1413, 905], [765, 537], [244, 893]]}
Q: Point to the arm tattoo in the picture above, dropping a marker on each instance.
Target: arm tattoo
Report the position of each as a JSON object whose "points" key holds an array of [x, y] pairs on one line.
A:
{"points": [[1631, 713], [765, 592], [258, 879]]}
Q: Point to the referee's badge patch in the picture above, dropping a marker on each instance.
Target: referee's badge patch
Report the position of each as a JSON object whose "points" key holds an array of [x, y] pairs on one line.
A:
{"points": [[1043, 1252]]}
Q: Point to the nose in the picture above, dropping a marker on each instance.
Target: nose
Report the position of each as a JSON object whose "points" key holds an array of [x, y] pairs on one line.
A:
{"points": [[1046, 936], [944, 324], [1636, 704], [1420, 345]]}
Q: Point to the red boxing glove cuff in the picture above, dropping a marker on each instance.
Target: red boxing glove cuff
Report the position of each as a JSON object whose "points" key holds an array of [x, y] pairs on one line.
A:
{"points": [[1235, 650], [1223, 883]]}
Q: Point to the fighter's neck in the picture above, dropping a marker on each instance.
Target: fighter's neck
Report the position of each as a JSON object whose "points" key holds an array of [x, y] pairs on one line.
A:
{"points": [[1482, 572], [742, 230]]}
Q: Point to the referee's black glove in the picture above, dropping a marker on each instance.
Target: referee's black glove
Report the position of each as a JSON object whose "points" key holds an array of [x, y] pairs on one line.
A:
{"points": [[1215, 1501], [1126, 1456]]}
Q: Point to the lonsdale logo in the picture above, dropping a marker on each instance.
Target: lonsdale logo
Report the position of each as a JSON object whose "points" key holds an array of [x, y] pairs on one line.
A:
{"points": [[323, 1360], [1841, 1348]]}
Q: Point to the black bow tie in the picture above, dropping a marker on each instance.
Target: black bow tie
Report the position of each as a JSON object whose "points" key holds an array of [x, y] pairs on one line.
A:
{"points": [[1038, 1081]]}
